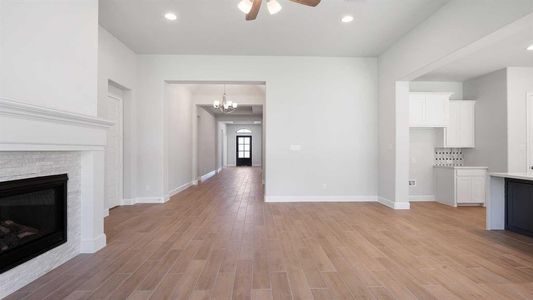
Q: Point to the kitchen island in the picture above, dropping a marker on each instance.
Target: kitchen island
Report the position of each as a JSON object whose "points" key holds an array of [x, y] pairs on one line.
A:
{"points": [[510, 204]]}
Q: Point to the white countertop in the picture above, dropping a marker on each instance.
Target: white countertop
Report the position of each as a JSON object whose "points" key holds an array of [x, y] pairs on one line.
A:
{"points": [[460, 167], [522, 175]]}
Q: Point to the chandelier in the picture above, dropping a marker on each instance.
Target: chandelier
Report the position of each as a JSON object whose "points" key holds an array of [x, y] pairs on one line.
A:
{"points": [[225, 106]]}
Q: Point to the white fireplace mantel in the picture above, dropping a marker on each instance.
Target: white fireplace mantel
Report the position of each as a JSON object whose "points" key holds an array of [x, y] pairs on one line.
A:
{"points": [[25, 127]]}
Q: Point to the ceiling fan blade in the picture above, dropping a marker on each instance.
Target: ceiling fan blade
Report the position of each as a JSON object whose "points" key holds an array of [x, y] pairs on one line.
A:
{"points": [[255, 10], [307, 2]]}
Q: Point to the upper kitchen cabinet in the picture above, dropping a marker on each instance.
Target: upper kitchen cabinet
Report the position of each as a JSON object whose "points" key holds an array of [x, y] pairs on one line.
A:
{"points": [[460, 130], [429, 109]]}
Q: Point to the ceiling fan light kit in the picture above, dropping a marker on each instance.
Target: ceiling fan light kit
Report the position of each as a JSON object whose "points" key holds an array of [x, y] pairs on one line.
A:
{"points": [[251, 8], [245, 6], [273, 7]]}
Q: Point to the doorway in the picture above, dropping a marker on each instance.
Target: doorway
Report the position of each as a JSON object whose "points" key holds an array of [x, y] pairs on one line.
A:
{"points": [[244, 151]]}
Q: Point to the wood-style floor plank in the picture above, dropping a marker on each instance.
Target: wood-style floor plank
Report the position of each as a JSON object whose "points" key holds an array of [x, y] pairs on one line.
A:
{"points": [[219, 240]]}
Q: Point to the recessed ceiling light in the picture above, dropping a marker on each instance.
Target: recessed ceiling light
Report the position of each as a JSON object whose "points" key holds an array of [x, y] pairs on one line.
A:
{"points": [[530, 48], [171, 16], [347, 19]]}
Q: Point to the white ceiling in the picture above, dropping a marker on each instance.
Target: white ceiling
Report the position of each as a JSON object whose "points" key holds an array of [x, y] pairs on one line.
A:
{"points": [[507, 52], [218, 27]]}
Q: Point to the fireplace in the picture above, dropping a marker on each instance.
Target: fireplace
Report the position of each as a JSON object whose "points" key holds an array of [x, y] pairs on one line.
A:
{"points": [[33, 218]]}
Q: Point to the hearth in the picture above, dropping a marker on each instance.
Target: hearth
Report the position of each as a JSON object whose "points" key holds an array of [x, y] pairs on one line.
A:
{"points": [[33, 218]]}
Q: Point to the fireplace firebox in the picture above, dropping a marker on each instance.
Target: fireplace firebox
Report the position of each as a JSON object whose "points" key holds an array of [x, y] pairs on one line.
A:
{"points": [[33, 218]]}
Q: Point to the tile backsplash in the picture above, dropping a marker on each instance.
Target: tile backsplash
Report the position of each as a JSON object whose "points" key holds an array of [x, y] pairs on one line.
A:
{"points": [[448, 157]]}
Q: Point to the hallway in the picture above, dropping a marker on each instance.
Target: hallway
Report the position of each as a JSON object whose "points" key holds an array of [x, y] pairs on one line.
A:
{"points": [[220, 240]]}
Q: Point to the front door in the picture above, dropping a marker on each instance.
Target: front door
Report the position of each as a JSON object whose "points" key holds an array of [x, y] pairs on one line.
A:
{"points": [[244, 150]]}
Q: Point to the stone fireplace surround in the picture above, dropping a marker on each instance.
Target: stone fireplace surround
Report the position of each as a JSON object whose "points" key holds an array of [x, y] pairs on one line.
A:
{"points": [[37, 141]]}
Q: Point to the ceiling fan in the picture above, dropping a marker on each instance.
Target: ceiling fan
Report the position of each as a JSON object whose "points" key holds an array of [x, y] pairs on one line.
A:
{"points": [[251, 7]]}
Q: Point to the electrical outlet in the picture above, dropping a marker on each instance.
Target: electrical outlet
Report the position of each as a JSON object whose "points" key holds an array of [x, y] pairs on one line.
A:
{"points": [[412, 182]]}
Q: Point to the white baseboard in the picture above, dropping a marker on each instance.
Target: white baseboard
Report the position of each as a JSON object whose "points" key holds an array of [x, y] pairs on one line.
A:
{"points": [[93, 245], [155, 200], [178, 190], [231, 165], [394, 204], [149, 200], [129, 201], [422, 198], [208, 175], [256, 165], [143, 200], [320, 199], [219, 170]]}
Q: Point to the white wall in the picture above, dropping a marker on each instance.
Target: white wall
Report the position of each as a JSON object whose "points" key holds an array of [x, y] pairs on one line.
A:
{"points": [[519, 83], [207, 139], [257, 141], [490, 93], [307, 97], [422, 141], [439, 86], [179, 130], [222, 140], [421, 161], [118, 64], [49, 53], [420, 50]]}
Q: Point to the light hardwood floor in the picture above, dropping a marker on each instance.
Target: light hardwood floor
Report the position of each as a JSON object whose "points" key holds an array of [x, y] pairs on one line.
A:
{"points": [[220, 240]]}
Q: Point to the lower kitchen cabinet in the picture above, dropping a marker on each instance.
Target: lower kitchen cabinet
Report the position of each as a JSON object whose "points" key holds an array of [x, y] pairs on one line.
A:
{"points": [[457, 186]]}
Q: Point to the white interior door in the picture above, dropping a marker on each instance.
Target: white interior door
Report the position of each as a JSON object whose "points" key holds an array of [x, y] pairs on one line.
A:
{"points": [[113, 110], [530, 132]]}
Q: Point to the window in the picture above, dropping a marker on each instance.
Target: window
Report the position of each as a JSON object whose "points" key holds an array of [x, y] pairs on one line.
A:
{"points": [[244, 131], [244, 147]]}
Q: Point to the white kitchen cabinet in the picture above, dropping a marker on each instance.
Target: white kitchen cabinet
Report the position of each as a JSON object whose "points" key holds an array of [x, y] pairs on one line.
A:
{"points": [[429, 109], [457, 186], [460, 130]]}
